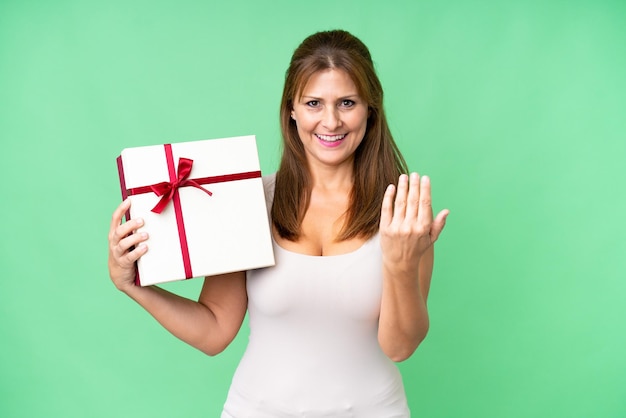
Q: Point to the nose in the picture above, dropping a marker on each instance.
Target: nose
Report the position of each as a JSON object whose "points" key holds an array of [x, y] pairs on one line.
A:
{"points": [[331, 118]]}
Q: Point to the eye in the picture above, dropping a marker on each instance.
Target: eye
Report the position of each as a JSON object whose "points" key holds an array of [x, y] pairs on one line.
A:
{"points": [[313, 103], [347, 103]]}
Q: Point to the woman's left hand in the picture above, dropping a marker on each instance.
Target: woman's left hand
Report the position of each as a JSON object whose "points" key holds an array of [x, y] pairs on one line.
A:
{"points": [[407, 227]]}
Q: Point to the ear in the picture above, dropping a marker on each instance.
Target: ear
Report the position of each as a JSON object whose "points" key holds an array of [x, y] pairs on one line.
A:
{"points": [[293, 115]]}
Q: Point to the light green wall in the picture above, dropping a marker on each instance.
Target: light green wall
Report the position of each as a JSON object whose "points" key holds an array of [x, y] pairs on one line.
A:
{"points": [[516, 109]]}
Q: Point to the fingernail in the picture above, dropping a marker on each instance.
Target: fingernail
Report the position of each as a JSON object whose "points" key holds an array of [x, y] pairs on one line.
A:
{"points": [[139, 221]]}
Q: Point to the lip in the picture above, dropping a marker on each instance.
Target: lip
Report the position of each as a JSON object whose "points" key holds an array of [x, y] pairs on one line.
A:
{"points": [[331, 141]]}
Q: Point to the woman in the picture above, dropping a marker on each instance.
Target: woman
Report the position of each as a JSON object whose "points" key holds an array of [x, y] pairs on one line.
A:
{"points": [[354, 256]]}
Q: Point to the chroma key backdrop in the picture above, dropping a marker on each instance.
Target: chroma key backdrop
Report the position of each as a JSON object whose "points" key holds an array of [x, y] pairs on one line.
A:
{"points": [[517, 111]]}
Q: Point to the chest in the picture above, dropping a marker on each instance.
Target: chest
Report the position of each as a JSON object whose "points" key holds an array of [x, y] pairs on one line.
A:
{"points": [[322, 223], [346, 287]]}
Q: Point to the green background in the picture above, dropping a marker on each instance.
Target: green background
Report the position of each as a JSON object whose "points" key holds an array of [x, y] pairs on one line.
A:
{"points": [[516, 109]]}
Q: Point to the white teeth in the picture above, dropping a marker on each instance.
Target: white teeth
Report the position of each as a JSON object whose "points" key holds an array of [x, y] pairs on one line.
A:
{"points": [[330, 138]]}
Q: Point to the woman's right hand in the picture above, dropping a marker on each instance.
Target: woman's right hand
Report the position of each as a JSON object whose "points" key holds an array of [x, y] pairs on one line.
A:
{"points": [[125, 247]]}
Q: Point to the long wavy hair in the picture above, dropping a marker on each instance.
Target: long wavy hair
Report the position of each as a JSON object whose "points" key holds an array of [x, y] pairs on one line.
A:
{"points": [[377, 160]]}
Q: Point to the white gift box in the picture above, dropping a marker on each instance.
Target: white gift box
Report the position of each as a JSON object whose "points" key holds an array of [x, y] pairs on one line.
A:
{"points": [[213, 218]]}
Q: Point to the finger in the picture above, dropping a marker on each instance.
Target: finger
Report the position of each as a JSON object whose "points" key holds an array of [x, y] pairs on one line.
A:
{"points": [[136, 253], [124, 230], [399, 209], [386, 211], [129, 242], [438, 224], [425, 215], [413, 198], [116, 219]]}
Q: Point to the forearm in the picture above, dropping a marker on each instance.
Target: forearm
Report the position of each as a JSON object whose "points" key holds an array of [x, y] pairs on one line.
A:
{"points": [[403, 321], [207, 327], [184, 318]]}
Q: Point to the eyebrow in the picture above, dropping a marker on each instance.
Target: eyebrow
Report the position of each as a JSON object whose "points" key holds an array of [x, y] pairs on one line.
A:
{"points": [[349, 96]]}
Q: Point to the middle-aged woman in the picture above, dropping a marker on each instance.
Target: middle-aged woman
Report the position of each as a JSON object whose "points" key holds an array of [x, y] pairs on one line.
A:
{"points": [[354, 256]]}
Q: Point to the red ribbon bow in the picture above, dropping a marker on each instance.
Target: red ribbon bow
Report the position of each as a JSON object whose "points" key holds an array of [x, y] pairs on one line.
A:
{"points": [[168, 189]]}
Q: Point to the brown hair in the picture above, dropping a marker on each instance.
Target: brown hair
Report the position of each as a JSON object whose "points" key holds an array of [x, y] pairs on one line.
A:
{"points": [[377, 160]]}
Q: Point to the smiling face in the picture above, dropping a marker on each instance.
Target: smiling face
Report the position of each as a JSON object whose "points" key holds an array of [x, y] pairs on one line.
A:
{"points": [[331, 119]]}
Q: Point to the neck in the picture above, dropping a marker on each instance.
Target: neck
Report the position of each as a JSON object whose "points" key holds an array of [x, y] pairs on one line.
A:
{"points": [[332, 178]]}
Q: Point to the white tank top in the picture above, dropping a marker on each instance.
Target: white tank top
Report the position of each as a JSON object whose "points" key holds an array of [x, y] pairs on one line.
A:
{"points": [[313, 349]]}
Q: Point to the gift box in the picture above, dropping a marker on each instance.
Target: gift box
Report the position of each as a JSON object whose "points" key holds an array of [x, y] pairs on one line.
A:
{"points": [[203, 207]]}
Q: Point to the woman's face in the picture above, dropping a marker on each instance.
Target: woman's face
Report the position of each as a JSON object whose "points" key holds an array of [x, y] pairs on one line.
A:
{"points": [[331, 118]]}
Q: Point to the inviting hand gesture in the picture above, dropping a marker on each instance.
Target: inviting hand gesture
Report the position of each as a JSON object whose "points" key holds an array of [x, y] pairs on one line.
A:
{"points": [[407, 228]]}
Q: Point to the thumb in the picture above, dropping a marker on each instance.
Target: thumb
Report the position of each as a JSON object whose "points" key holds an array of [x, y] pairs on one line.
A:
{"points": [[438, 224]]}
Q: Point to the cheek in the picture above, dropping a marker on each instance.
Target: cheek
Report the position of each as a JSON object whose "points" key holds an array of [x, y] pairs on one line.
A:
{"points": [[360, 122], [304, 123], [359, 115], [303, 134]]}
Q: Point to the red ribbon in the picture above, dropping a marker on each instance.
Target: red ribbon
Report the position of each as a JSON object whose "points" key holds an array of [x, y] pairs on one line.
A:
{"points": [[168, 191]]}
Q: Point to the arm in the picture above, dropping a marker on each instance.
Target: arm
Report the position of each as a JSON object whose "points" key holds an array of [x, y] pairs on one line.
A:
{"points": [[209, 324], [408, 233]]}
